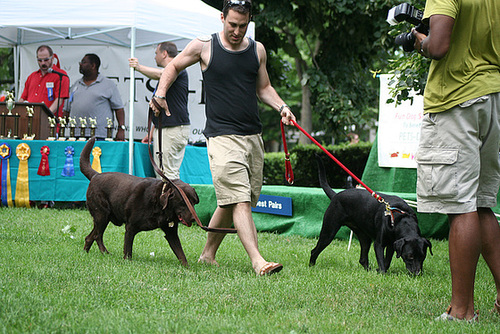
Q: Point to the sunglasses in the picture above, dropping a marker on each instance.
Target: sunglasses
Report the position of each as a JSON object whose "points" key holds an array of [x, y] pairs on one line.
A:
{"points": [[233, 3]]}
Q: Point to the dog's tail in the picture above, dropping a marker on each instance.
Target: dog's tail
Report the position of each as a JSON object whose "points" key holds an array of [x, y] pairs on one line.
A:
{"points": [[323, 182], [85, 166]]}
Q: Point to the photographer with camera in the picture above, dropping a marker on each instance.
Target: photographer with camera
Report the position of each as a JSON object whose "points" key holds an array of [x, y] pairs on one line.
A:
{"points": [[458, 155]]}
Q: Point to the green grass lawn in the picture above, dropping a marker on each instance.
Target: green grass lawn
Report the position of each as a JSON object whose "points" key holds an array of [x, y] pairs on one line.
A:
{"points": [[49, 284]]}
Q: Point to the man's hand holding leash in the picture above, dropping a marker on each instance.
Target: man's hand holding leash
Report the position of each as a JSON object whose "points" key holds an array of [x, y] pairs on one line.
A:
{"points": [[159, 103], [286, 115]]}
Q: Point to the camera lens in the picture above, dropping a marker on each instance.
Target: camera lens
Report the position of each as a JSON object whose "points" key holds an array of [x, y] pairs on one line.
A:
{"points": [[406, 40]]}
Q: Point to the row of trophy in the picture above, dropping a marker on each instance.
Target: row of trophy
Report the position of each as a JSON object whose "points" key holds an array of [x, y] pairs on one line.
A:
{"points": [[56, 131], [71, 124], [13, 133]]}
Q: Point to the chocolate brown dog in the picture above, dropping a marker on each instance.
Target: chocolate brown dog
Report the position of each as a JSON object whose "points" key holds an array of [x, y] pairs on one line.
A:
{"points": [[366, 217], [142, 204]]}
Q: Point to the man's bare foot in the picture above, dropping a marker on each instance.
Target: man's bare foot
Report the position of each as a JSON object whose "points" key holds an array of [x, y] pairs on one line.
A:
{"points": [[208, 261]]}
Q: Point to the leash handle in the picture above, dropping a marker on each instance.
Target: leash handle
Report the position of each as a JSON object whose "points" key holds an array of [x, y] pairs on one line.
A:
{"points": [[288, 166], [167, 180]]}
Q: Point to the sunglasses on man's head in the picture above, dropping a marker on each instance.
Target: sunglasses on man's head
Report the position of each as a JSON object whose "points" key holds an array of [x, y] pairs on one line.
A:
{"points": [[232, 3]]}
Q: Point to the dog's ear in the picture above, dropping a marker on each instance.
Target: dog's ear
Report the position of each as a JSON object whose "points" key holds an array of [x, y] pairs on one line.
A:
{"points": [[428, 244], [164, 197], [398, 247]]}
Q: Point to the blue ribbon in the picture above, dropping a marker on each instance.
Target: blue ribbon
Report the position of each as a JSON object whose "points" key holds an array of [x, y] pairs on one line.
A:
{"points": [[5, 153], [69, 168]]}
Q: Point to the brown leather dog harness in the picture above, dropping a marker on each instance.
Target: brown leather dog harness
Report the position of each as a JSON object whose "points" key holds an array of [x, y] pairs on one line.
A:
{"points": [[165, 179]]}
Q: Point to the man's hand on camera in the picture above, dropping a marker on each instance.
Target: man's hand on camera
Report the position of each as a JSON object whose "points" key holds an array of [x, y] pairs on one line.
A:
{"points": [[419, 40]]}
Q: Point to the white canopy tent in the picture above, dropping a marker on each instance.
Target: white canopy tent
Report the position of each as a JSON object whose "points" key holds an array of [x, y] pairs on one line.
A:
{"points": [[90, 24]]}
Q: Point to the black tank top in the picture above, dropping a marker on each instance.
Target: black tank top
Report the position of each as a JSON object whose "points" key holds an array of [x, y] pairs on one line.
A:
{"points": [[177, 101], [230, 86]]}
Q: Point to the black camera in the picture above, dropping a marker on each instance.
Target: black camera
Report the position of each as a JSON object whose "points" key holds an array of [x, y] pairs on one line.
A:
{"points": [[410, 14]]}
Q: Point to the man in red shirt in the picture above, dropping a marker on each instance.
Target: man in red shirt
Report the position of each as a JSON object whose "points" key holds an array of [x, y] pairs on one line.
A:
{"points": [[42, 86]]}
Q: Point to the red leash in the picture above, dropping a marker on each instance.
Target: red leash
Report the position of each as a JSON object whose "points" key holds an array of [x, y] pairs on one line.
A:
{"points": [[289, 174], [289, 167]]}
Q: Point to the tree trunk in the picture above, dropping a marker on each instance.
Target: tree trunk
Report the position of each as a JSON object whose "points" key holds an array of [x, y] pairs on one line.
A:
{"points": [[306, 116]]}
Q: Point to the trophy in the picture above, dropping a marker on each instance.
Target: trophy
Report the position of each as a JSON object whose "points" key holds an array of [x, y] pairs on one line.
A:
{"points": [[10, 103], [62, 127], [109, 128], [30, 112], [52, 124], [72, 126], [93, 125], [83, 126]]}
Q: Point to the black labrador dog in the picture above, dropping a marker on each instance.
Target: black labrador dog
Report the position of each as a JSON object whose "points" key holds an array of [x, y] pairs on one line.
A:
{"points": [[368, 219], [142, 204]]}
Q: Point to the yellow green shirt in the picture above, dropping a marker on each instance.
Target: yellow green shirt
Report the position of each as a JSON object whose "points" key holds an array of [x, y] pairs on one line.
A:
{"points": [[471, 68]]}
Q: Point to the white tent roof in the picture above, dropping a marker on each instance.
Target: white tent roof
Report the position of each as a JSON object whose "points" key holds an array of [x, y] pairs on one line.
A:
{"points": [[104, 21], [126, 23]]}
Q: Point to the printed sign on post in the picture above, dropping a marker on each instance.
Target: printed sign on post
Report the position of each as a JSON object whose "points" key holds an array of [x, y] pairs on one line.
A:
{"points": [[275, 205], [398, 129]]}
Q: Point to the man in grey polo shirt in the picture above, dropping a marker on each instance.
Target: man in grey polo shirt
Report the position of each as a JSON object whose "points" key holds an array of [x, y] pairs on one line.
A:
{"points": [[96, 96]]}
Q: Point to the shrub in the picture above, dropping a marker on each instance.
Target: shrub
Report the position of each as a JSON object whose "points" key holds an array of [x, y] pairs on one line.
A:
{"points": [[305, 168]]}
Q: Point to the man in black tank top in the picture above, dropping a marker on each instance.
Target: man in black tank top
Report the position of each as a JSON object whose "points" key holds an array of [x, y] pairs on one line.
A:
{"points": [[176, 128], [235, 75]]}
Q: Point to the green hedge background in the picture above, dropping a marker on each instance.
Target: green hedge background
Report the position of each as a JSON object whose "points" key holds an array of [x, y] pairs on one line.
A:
{"points": [[305, 169]]}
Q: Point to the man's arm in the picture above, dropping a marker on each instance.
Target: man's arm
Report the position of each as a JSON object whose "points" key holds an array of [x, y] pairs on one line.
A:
{"points": [[120, 118], [150, 72], [57, 102], [437, 44], [266, 92], [189, 56]]}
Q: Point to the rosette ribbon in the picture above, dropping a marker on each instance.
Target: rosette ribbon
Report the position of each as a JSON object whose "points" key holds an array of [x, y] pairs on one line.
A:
{"points": [[96, 163], [69, 168], [5, 188], [44, 169], [23, 152]]}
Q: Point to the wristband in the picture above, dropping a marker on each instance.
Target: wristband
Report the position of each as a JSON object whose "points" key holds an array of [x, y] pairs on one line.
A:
{"points": [[283, 106], [160, 97]]}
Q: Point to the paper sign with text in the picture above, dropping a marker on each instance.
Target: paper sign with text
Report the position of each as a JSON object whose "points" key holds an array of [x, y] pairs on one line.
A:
{"points": [[398, 129]]}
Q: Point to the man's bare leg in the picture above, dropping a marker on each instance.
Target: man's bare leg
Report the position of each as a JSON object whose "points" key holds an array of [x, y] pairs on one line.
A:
{"points": [[490, 238], [222, 218], [243, 221], [464, 251]]}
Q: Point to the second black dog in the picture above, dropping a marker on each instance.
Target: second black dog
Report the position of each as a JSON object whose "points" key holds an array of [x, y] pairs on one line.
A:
{"points": [[366, 217]]}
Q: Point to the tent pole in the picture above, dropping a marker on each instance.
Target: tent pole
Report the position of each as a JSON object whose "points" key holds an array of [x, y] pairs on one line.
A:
{"points": [[131, 106], [17, 56]]}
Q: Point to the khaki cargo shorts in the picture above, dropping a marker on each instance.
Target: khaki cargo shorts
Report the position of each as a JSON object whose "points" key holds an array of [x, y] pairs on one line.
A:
{"points": [[237, 164], [458, 157]]}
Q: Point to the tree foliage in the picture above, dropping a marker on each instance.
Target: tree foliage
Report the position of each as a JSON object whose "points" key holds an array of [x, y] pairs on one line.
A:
{"points": [[6, 68], [322, 57], [409, 69], [326, 53], [336, 46]]}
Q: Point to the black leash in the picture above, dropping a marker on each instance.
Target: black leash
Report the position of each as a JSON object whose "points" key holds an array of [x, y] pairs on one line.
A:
{"points": [[165, 179]]}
